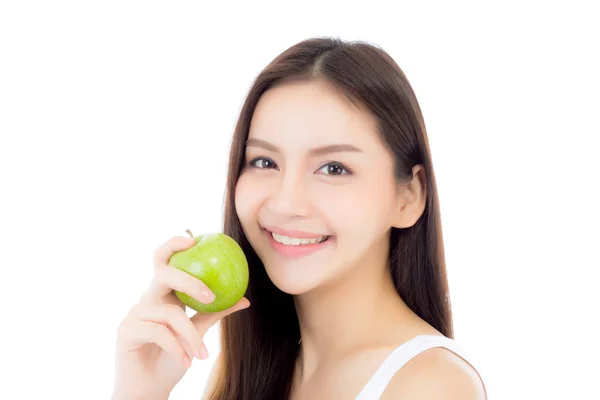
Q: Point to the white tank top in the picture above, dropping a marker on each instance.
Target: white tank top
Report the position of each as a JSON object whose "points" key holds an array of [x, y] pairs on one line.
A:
{"points": [[400, 356]]}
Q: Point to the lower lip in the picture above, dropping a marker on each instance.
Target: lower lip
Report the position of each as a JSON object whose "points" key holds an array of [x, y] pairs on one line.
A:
{"points": [[302, 250]]}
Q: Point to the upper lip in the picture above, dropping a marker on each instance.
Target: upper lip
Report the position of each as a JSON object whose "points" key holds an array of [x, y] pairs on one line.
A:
{"points": [[292, 233]]}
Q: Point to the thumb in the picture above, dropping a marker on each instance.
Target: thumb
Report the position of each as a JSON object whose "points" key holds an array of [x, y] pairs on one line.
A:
{"points": [[206, 320]]}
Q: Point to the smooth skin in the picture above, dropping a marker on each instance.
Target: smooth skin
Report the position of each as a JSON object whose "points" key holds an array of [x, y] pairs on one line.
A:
{"points": [[350, 314], [315, 163], [156, 339]]}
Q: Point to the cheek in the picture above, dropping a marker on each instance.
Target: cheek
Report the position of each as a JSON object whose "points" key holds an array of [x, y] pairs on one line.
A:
{"points": [[359, 210], [247, 199]]}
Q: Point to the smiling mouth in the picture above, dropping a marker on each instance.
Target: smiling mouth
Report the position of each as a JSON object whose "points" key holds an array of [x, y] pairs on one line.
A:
{"points": [[292, 241]]}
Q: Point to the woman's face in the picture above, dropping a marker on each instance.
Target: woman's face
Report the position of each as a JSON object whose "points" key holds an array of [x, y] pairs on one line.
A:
{"points": [[315, 167]]}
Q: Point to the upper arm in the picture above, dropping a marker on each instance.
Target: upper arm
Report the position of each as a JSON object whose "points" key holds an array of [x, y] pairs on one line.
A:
{"points": [[436, 374]]}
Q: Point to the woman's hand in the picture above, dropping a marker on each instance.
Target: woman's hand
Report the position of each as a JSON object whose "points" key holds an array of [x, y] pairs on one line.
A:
{"points": [[156, 340]]}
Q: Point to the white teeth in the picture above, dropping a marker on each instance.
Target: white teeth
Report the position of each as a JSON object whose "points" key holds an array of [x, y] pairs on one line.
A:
{"points": [[296, 241]]}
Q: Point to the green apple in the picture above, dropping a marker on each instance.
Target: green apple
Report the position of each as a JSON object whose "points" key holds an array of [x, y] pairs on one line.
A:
{"points": [[218, 261]]}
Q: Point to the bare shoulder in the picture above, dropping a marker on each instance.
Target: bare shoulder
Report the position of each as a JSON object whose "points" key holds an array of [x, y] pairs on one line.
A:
{"points": [[437, 373]]}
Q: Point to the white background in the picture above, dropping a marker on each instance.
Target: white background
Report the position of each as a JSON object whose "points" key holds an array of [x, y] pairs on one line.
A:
{"points": [[115, 121]]}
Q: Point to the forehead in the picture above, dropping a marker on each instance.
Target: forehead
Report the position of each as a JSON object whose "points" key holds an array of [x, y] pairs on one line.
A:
{"points": [[310, 113]]}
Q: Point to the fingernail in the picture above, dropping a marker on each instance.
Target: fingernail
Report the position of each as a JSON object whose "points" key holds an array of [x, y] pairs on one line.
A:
{"points": [[207, 297]]}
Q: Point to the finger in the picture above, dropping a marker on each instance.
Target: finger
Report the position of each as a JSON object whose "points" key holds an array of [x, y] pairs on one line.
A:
{"points": [[170, 278], [204, 321], [163, 253], [145, 332], [174, 317]]}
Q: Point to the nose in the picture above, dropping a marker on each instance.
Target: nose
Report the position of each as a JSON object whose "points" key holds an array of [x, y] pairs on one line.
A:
{"points": [[288, 196]]}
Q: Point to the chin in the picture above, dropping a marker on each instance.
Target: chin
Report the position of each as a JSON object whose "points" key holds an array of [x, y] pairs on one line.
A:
{"points": [[293, 283]]}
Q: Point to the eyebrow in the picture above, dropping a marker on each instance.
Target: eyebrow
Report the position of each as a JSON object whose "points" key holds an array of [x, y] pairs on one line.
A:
{"points": [[332, 148]]}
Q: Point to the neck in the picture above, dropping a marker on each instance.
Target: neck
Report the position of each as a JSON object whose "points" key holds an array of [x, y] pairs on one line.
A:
{"points": [[349, 314]]}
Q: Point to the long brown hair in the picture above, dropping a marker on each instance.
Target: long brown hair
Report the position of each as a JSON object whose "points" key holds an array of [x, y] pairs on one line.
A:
{"points": [[259, 345]]}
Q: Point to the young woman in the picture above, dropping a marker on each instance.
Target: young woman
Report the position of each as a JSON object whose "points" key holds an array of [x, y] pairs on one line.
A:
{"points": [[331, 194]]}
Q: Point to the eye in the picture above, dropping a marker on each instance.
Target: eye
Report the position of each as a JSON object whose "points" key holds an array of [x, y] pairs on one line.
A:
{"points": [[262, 163], [335, 168]]}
